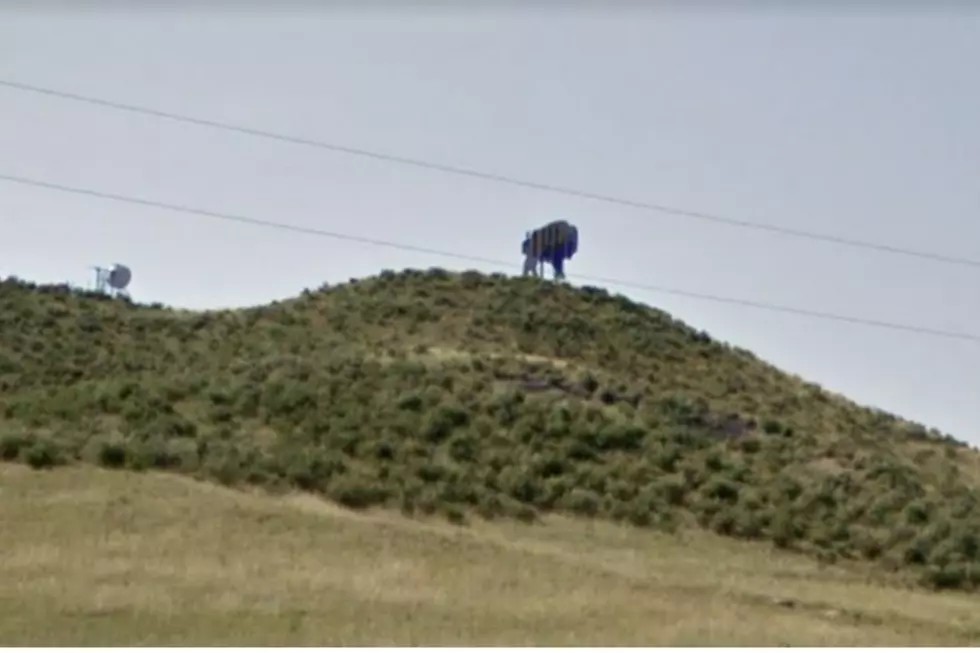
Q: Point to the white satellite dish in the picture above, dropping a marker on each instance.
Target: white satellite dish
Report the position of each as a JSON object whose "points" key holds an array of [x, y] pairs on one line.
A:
{"points": [[116, 277], [119, 277]]}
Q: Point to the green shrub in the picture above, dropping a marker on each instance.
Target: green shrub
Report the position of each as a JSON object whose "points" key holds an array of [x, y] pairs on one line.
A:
{"points": [[461, 395]]}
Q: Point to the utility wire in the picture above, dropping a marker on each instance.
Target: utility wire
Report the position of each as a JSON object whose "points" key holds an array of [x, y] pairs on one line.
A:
{"points": [[513, 181], [240, 219]]}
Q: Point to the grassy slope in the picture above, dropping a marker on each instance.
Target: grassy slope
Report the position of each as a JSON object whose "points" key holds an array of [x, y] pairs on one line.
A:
{"points": [[464, 394], [104, 558]]}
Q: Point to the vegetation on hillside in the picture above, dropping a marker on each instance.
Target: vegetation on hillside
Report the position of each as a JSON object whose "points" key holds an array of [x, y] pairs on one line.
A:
{"points": [[120, 558], [467, 394]]}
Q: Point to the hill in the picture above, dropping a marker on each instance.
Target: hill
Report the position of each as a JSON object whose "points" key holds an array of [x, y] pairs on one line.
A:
{"points": [[104, 558], [464, 395]]}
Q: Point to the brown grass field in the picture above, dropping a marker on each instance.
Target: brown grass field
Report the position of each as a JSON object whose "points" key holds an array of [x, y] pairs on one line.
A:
{"points": [[97, 557]]}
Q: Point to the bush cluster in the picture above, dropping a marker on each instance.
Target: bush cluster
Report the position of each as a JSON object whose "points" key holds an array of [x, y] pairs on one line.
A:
{"points": [[465, 394]]}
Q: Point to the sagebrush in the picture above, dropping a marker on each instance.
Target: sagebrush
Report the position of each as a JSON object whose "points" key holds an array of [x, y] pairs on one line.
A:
{"points": [[466, 394]]}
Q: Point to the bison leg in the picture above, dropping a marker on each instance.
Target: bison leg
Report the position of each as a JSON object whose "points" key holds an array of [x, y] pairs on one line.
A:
{"points": [[530, 266]]}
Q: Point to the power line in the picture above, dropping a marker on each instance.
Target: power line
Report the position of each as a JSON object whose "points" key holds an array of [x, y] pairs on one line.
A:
{"points": [[486, 176], [240, 219]]}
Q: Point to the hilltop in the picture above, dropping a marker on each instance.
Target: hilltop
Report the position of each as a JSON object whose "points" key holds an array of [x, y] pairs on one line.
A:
{"points": [[469, 396]]}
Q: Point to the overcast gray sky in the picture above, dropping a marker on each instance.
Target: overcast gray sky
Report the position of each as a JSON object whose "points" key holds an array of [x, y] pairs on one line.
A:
{"points": [[860, 124]]}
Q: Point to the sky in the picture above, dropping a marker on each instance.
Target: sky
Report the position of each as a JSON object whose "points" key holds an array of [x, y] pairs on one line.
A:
{"points": [[857, 123]]}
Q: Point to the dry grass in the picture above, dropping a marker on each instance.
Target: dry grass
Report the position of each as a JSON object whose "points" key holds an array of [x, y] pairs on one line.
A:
{"points": [[95, 557]]}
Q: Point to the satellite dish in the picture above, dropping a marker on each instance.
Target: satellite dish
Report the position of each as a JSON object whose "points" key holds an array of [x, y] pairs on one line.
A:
{"points": [[116, 278], [119, 277]]}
